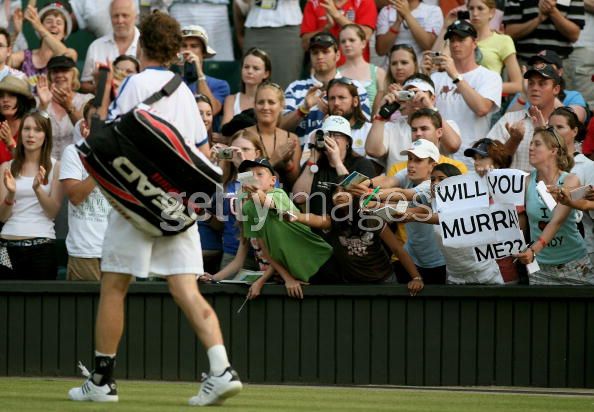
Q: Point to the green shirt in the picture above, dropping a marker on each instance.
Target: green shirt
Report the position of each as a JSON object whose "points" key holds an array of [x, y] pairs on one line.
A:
{"points": [[291, 244]]}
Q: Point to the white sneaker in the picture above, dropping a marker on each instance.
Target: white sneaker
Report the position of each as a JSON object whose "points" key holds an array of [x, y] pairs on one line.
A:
{"points": [[89, 391], [215, 389]]}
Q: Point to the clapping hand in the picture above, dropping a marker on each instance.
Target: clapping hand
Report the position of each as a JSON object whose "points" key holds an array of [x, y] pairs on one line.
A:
{"points": [[43, 92], [6, 135], [40, 178], [9, 181], [516, 130]]}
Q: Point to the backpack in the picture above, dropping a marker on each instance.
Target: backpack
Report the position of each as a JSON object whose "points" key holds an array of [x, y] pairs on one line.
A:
{"points": [[144, 168]]}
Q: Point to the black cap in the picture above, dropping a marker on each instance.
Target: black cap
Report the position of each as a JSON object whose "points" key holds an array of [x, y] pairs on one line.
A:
{"points": [[543, 69], [480, 148], [323, 39], [60, 62], [547, 56], [259, 162], [461, 28]]}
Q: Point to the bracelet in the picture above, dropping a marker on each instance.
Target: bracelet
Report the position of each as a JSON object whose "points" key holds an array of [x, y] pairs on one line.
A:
{"points": [[380, 118], [542, 242], [533, 254], [521, 101], [393, 30], [303, 110], [418, 278], [201, 78], [8, 202]]}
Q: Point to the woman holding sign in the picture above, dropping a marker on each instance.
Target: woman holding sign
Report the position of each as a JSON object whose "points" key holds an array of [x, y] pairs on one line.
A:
{"points": [[558, 249]]}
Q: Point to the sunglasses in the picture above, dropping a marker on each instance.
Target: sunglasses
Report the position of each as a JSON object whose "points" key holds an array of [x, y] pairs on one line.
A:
{"points": [[341, 80], [323, 37], [256, 50], [552, 130], [202, 98], [266, 83], [42, 113]]}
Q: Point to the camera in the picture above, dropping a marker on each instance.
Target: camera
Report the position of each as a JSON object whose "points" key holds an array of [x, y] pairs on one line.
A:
{"points": [[404, 95], [321, 140], [463, 15], [388, 109], [225, 154]]}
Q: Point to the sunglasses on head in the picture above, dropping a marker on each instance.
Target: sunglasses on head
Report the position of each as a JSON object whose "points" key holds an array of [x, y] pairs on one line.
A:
{"points": [[271, 84], [402, 46], [341, 80], [42, 113], [552, 130]]}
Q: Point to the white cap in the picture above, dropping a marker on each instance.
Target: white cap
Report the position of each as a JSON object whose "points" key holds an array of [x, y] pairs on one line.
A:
{"points": [[199, 31], [423, 149], [419, 84], [337, 124]]}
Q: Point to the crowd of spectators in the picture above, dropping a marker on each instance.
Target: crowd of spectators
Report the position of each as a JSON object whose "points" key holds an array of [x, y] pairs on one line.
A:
{"points": [[402, 96]]}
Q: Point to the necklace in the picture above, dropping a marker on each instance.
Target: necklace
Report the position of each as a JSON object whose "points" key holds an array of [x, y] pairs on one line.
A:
{"points": [[262, 141]]}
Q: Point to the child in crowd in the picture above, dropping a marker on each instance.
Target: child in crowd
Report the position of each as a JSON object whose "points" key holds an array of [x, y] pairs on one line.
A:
{"points": [[87, 209], [280, 240], [487, 155], [461, 267]]}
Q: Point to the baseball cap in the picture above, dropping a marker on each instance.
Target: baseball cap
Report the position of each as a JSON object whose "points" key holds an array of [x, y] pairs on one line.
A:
{"points": [[337, 124], [461, 28], [480, 147], [259, 162], [543, 69], [323, 39], [419, 84], [199, 31], [423, 149], [547, 56], [60, 62]]}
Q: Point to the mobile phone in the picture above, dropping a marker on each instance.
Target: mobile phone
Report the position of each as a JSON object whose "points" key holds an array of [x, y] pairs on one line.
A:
{"points": [[388, 109]]}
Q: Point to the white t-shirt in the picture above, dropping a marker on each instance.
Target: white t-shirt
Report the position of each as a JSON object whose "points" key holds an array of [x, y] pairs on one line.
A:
{"points": [[451, 105], [286, 13], [359, 138], [584, 170], [93, 15], [101, 50], [87, 221], [429, 17], [179, 109]]}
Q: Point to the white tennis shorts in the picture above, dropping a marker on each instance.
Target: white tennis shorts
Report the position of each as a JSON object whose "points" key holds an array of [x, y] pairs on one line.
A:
{"points": [[128, 250]]}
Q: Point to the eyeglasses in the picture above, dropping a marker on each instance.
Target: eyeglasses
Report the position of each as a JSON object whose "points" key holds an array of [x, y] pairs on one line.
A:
{"points": [[404, 46]]}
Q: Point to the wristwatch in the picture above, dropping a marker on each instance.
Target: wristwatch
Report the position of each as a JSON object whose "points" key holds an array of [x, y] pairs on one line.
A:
{"points": [[314, 168], [457, 79]]}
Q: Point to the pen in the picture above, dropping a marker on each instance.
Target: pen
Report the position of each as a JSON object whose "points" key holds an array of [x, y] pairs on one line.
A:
{"points": [[527, 247], [368, 199]]}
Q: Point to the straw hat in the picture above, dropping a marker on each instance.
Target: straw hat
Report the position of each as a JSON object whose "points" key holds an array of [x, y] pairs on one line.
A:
{"points": [[15, 85]]}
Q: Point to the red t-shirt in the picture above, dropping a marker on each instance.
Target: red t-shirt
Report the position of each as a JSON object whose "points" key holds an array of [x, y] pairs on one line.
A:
{"points": [[362, 12], [5, 152], [588, 143]]}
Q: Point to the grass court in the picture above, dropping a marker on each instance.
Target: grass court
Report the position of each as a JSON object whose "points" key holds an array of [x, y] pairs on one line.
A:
{"points": [[42, 394]]}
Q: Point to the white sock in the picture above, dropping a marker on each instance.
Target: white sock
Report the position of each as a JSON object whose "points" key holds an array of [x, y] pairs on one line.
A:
{"points": [[109, 355], [217, 357]]}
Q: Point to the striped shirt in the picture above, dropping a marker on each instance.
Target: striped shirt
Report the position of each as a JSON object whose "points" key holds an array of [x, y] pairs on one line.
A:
{"points": [[294, 95], [546, 35]]}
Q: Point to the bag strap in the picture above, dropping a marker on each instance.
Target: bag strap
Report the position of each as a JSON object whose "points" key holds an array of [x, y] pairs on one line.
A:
{"points": [[167, 90]]}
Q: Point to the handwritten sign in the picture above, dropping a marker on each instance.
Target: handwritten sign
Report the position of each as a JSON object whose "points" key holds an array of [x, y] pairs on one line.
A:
{"points": [[507, 186], [467, 191]]}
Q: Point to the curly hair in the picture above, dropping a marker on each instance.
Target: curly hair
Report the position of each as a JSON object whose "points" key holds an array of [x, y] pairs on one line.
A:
{"points": [[160, 37]]}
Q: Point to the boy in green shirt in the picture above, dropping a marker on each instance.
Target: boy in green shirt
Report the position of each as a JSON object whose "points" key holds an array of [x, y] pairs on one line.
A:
{"points": [[296, 253]]}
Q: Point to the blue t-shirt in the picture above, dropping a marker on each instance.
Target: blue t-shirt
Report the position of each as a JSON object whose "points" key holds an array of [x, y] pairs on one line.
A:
{"points": [[210, 239]]}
